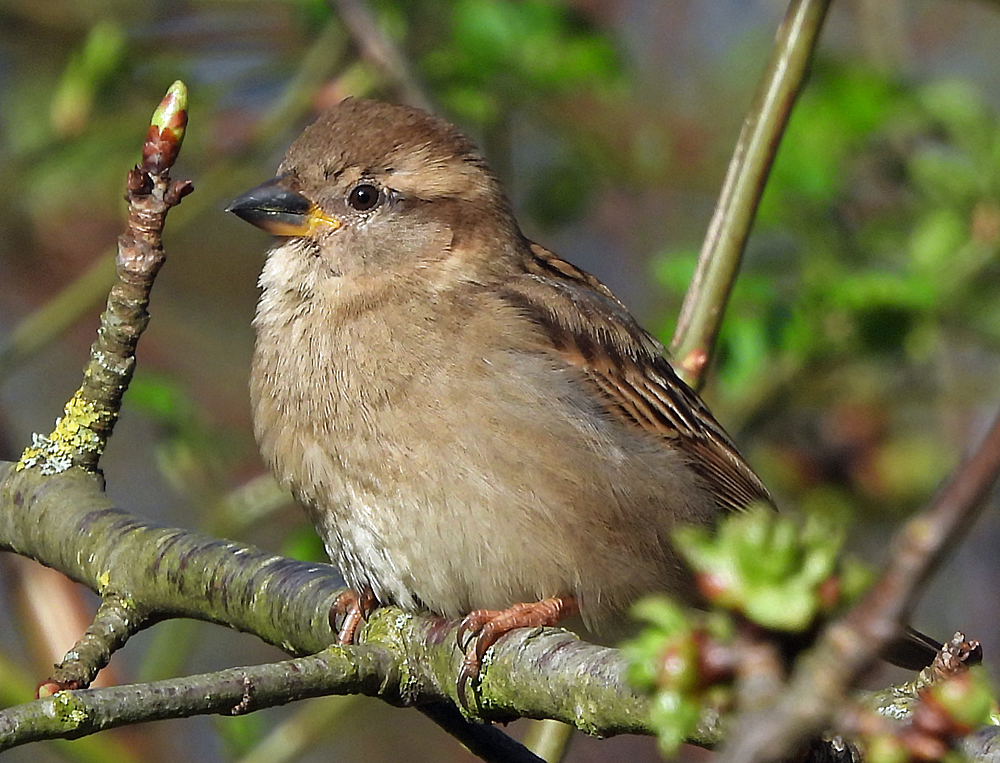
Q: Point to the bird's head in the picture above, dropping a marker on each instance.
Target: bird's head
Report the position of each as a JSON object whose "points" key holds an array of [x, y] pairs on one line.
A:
{"points": [[371, 185]]}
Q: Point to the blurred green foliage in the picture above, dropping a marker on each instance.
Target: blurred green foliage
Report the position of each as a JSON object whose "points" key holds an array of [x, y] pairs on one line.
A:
{"points": [[663, 662], [874, 262], [87, 70], [759, 571], [946, 711], [771, 570], [500, 55], [861, 339], [968, 698]]}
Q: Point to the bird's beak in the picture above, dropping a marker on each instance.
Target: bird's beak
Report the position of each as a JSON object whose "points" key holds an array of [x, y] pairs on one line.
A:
{"points": [[281, 211]]}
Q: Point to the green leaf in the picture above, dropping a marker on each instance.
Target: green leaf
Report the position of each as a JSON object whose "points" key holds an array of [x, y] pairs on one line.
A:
{"points": [[767, 566]]}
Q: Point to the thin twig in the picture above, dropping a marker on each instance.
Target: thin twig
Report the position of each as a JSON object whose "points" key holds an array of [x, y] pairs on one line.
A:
{"points": [[381, 51], [850, 646], [116, 621], [722, 250], [72, 714], [89, 417]]}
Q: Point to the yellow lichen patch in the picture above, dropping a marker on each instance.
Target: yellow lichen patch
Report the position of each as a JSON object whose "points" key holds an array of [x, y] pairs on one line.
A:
{"points": [[67, 709], [73, 434]]}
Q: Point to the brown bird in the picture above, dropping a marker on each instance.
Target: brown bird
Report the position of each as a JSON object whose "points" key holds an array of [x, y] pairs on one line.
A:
{"points": [[476, 427]]}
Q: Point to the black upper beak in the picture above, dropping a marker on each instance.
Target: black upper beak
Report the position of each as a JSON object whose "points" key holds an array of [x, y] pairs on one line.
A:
{"points": [[279, 210]]}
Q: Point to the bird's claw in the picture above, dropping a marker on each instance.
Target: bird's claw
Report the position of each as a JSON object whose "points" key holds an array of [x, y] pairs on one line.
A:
{"points": [[354, 607], [472, 625], [474, 640], [482, 628]]}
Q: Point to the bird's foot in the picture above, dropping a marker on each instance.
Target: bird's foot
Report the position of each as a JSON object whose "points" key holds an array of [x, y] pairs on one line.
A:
{"points": [[481, 628], [353, 607]]}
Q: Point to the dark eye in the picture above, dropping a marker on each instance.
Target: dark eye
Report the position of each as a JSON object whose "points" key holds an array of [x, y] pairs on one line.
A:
{"points": [[363, 197]]}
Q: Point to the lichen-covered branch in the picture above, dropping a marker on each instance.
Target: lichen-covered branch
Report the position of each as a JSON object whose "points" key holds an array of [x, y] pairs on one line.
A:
{"points": [[66, 522], [89, 417], [116, 621]]}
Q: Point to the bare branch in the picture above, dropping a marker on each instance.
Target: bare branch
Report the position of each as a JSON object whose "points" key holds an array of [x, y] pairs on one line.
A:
{"points": [[849, 647], [381, 51], [89, 417], [722, 250]]}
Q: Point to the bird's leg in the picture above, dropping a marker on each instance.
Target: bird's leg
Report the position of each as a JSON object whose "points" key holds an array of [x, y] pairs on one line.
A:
{"points": [[481, 628], [354, 607]]}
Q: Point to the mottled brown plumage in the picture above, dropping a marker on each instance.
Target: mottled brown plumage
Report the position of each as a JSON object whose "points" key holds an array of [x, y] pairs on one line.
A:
{"points": [[471, 421]]}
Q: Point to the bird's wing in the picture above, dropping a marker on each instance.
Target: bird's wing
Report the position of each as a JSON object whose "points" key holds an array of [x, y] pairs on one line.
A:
{"points": [[593, 331]]}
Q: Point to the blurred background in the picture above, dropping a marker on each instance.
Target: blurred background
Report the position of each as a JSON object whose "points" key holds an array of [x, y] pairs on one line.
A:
{"points": [[859, 360]]}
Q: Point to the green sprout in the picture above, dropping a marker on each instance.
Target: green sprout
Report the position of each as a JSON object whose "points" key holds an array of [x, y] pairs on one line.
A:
{"points": [[767, 567]]}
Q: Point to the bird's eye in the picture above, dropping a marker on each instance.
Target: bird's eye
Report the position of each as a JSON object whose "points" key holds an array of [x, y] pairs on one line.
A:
{"points": [[363, 197]]}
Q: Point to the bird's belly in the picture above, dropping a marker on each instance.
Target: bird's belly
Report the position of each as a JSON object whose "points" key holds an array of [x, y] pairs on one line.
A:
{"points": [[480, 485], [424, 541], [458, 525]]}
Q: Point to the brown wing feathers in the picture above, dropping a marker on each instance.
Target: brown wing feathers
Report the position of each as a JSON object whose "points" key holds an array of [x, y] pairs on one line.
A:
{"points": [[593, 331]]}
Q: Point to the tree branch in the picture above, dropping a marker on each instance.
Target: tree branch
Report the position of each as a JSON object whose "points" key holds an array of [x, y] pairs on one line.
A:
{"points": [[116, 621], [719, 260], [72, 714], [81, 434], [846, 650], [66, 522], [376, 46]]}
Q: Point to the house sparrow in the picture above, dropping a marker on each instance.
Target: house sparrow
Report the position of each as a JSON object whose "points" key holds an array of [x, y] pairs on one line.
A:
{"points": [[476, 427]]}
